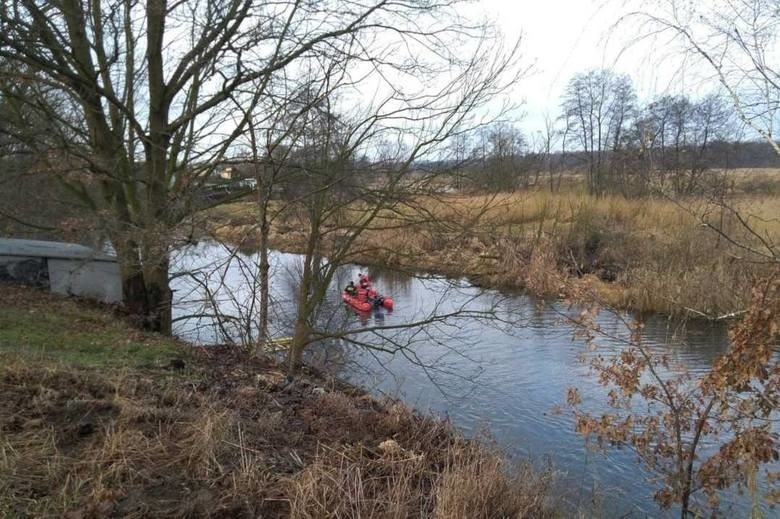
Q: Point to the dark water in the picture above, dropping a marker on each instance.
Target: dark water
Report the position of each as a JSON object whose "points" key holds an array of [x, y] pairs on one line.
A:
{"points": [[508, 373]]}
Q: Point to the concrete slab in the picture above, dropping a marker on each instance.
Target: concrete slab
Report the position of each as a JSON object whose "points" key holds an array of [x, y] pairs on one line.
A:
{"points": [[97, 280], [65, 268], [50, 249]]}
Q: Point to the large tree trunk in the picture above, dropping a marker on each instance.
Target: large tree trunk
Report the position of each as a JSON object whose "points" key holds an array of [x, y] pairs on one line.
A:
{"points": [[145, 291], [134, 292], [303, 330], [299, 342], [158, 296]]}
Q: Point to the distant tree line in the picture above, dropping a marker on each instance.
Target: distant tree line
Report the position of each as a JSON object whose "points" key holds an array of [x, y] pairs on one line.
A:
{"points": [[619, 144]]}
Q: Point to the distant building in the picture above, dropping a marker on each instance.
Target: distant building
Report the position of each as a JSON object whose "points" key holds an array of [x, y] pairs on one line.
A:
{"points": [[63, 268], [249, 183]]}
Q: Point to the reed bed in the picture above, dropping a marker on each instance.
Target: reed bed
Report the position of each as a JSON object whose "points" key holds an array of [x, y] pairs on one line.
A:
{"points": [[690, 257]]}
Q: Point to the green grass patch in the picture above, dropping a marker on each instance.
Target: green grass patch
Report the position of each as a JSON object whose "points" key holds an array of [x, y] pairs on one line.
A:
{"points": [[40, 326]]}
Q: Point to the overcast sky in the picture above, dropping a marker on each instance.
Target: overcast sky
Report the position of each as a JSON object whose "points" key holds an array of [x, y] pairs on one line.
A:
{"points": [[563, 37]]}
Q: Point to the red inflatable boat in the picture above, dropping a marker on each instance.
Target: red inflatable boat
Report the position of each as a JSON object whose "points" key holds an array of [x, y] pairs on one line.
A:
{"points": [[354, 302], [366, 297]]}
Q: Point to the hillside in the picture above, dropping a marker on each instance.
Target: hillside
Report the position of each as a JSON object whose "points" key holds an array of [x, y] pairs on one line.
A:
{"points": [[98, 419]]}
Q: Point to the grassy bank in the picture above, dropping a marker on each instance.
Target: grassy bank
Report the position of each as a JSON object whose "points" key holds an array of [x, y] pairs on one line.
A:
{"points": [[98, 419], [649, 255]]}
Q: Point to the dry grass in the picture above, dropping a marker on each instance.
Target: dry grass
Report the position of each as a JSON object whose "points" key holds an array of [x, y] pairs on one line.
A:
{"points": [[756, 181], [357, 483], [476, 483], [648, 255], [462, 479], [207, 455]]}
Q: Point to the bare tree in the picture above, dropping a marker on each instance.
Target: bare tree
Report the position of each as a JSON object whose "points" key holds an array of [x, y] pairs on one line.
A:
{"points": [[677, 136], [149, 90], [598, 105], [32, 203], [336, 163], [705, 432], [460, 151], [736, 40], [550, 137], [503, 169], [498, 155], [338, 199], [275, 128]]}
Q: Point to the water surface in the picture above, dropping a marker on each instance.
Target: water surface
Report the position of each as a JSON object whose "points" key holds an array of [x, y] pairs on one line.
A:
{"points": [[508, 373]]}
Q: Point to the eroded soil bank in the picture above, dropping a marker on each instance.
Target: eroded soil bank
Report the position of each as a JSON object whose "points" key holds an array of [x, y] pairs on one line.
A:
{"points": [[98, 419]]}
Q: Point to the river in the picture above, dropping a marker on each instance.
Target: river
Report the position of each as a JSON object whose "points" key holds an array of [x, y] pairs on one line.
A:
{"points": [[508, 374]]}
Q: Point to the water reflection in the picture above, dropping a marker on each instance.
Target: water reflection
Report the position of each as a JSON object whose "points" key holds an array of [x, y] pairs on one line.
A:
{"points": [[395, 282], [510, 373]]}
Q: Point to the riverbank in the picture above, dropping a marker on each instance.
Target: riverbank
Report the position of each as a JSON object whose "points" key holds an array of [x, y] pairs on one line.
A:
{"points": [[99, 419], [645, 255]]}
